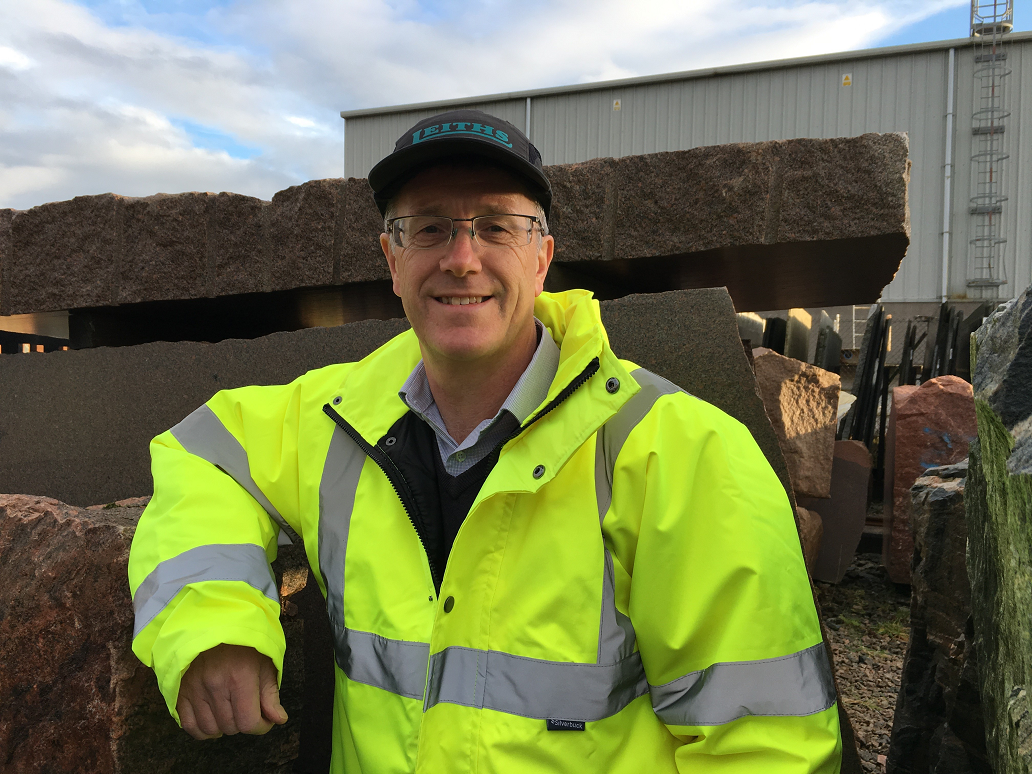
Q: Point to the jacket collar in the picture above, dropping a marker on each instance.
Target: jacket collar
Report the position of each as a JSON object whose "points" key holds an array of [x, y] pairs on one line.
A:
{"points": [[369, 392]]}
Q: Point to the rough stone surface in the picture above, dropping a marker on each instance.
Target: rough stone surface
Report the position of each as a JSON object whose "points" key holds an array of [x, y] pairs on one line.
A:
{"points": [[938, 728], [79, 422], [6, 216], [729, 215], [64, 255], [844, 513], [236, 259], [164, 247], [801, 401], [999, 501], [810, 531], [300, 234], [74, 698], [930, 425], [360, 257]]}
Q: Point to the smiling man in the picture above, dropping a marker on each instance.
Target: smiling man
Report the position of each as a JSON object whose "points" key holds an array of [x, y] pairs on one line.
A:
{"points": [[536, 557]]}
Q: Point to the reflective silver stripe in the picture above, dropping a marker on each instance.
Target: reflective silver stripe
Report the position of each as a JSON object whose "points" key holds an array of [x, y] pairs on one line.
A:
{"points": [[225, 561], [613, 434], [531, 687], [795, 685], [203, 435], [615, 632], [394, 665], [337, 489]]}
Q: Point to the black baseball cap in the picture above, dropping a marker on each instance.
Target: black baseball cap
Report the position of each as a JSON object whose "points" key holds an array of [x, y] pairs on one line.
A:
{"points": [[460, 133]]}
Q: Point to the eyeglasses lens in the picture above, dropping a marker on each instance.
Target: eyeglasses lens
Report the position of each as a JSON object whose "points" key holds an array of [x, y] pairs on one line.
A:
{"points": [[422, 232]]}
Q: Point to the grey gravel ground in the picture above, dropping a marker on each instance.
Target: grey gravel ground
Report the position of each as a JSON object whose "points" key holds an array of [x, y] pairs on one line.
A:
{"points": [[868, 621]]}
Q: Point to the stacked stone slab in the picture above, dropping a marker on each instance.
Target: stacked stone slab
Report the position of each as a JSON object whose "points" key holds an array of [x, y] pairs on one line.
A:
{"points": [[828, 217], [929, 426], [937, 727], [999, 506], [801, 401]]}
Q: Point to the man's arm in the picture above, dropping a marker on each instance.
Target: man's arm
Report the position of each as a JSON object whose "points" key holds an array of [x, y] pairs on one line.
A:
{"points": [[225, 483], [720, 599]]}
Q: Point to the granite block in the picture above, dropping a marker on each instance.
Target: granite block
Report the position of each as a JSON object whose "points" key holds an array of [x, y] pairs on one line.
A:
{"points": [[691, 338], [930, 425], [6, 216], [694, 200], [360, 257], [844, 514], [74, 697], [938, 727], [827, 217], [300, 229], [826, 195], [165, 247], [237, 254], [65, 255], [77, 424], [583, 207], [801, 401]]}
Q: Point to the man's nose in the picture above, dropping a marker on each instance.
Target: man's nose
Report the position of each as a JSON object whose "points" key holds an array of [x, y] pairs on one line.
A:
{"points": [[461, 256]]}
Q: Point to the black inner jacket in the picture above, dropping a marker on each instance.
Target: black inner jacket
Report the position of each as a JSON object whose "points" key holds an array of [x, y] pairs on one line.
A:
{"points": [[441, 501]]}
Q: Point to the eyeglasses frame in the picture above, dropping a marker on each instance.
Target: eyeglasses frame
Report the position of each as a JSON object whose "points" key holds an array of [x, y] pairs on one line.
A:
{"points": [[535, 221]]}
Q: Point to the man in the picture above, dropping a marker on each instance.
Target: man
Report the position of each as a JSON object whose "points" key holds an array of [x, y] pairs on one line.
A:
{"points": [[536, 557]]}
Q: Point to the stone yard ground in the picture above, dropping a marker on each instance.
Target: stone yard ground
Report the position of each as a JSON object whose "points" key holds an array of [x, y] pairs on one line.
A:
{"points": [[868, 621]]}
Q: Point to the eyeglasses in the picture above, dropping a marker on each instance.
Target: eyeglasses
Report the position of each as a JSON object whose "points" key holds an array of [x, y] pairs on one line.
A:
{"points": [[424, 232]]}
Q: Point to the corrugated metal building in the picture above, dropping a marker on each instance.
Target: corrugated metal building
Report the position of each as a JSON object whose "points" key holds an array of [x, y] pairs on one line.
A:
{"points": [[932, 91]]}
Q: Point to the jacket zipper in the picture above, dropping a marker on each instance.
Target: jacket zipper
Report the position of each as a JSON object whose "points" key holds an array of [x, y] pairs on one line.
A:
{"points": [[397, 480], [568, 390], [394, 476]]}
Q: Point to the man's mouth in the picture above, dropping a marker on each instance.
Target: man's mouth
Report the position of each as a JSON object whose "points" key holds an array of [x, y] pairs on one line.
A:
{"points": [[461, 300]]}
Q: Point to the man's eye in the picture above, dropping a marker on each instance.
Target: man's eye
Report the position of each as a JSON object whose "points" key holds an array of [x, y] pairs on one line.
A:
{"points": [[432, 228]]}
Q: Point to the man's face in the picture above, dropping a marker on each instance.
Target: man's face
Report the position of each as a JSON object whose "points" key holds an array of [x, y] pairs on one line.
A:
{"points": [[500, 283]]}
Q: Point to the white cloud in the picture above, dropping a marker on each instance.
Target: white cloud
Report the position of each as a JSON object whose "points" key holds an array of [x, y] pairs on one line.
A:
{"points": [[11, 59], [92, 103]]}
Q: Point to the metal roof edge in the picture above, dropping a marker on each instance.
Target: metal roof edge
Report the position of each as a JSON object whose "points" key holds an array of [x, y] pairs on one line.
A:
{"points": [[709, 72]]}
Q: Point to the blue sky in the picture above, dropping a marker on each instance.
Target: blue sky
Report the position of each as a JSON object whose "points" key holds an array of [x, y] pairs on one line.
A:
{"points": [[148, 96]]}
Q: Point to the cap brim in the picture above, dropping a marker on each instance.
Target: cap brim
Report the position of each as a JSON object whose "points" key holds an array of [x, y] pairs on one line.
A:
{"points": [[393, 170]]}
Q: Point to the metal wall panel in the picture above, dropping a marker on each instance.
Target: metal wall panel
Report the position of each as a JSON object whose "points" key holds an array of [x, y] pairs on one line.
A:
{"points": [[904, 91]]}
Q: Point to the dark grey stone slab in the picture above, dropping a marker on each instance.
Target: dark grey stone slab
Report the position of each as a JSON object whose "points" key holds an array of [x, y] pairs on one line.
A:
{"points": [[76, 425]]}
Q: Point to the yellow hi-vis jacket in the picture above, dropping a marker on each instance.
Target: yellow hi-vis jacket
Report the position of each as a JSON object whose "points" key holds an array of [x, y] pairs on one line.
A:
{"points": [[626, 595]]}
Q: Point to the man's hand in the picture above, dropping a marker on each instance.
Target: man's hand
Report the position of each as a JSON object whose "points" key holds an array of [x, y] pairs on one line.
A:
{"points": [[229, 689]]}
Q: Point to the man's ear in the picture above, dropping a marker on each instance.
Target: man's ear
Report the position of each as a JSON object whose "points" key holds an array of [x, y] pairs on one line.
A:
{"points": [[544, 260], [388, 253]]}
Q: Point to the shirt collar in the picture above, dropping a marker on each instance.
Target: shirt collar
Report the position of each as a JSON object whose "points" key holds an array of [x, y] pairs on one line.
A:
{"points": [[527, 394]]}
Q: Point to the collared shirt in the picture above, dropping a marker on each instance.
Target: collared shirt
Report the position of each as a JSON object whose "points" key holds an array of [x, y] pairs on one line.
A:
{"points": [[528, 393]]}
